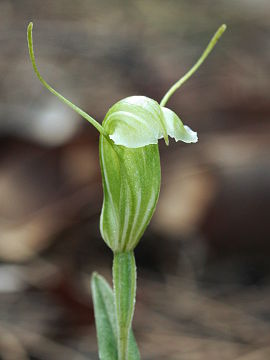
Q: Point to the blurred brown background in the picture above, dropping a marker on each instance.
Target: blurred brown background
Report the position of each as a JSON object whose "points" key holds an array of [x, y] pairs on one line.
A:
{"points": [[203, 264]]}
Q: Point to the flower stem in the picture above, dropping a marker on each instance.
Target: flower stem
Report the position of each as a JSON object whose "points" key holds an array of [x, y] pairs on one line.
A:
{"points": [[194, 68], [124, 281]]}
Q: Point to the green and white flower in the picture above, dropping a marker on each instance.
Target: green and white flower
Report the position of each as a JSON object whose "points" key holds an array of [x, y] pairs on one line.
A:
{"points": [[130, 167]]}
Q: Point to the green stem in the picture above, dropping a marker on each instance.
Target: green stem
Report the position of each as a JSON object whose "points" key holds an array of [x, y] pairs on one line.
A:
{"points": [[54, 92], [124, 281], [204, 55]]}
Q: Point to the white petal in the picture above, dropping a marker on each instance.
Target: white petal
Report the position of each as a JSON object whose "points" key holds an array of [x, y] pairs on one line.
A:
{"points": [[176, 129]]}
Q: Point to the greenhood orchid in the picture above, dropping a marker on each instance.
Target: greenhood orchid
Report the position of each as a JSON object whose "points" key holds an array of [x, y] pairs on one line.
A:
{"points": [[130, 167]]}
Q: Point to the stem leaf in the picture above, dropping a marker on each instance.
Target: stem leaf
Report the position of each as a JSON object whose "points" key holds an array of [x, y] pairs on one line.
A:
{"points": [[105, 317]]}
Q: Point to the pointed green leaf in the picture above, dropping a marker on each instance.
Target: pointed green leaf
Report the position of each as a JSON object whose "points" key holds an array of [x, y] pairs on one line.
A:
{"points": [[105, 317]]}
